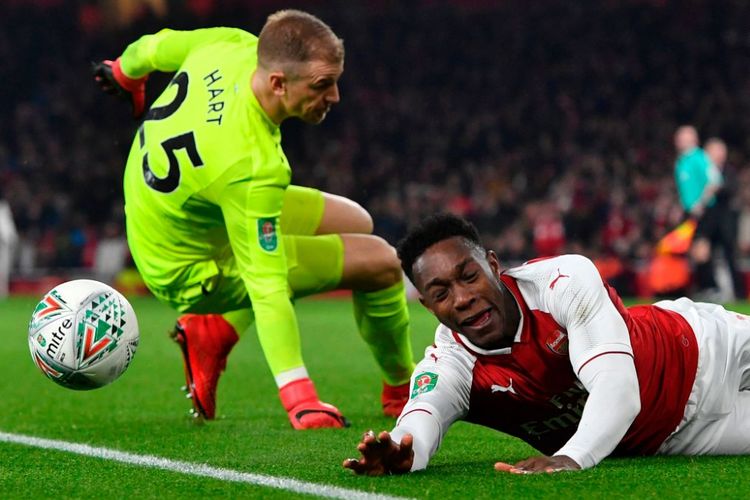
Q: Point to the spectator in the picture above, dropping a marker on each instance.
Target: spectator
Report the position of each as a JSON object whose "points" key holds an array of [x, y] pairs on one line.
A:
{"points": [[698, 180], [725, 236], [577, 111], [8, 240]]}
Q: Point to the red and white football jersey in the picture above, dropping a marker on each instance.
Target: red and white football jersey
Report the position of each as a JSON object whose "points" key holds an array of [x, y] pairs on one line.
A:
{"points": [[531, 390]]}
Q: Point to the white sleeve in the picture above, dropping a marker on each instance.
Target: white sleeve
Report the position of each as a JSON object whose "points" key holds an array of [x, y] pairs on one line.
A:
{"points": [[440, 388], [612, 405], [601, 356]]}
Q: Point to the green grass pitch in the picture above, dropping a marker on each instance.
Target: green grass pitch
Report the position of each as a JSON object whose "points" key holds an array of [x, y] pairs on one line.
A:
{"points": [[145, 413]]}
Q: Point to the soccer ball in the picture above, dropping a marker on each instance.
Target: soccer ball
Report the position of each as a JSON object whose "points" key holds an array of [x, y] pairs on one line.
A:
{"points": [[83, 334]]}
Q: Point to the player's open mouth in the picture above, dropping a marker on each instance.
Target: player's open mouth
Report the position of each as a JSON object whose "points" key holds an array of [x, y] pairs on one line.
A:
{"points": [[478, 320]]}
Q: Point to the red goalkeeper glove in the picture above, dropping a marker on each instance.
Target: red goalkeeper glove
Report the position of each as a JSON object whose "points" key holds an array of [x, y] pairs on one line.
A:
{"points": [[111, 79], [305, 410]]}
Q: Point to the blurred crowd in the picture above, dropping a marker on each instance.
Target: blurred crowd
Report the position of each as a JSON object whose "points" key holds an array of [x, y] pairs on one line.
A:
{"points": [[549, 124]]}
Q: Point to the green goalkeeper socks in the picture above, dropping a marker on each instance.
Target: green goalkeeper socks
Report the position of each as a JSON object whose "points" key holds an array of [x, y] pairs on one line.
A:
{"points": [[240, 320], [383, 320]]}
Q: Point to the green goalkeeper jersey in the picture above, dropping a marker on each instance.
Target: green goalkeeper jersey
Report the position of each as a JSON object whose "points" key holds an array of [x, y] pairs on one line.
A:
{"points": [[206, 174]]}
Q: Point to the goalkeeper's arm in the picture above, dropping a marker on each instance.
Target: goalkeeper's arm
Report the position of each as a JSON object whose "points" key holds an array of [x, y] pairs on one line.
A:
{"points": [[163, 51], [168, 49]]}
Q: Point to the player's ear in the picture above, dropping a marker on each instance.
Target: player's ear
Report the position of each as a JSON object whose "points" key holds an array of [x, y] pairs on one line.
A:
{"points": [[277, 82], [493, 261]]}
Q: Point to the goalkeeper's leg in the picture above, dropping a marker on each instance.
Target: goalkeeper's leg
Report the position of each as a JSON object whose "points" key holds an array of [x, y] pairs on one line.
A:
{"points": [[309, 212], [369, 266], [372, 270], [207, 339]]}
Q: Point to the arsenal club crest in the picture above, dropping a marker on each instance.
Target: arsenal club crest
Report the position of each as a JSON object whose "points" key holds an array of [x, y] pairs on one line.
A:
{"points": [[557, 342]]}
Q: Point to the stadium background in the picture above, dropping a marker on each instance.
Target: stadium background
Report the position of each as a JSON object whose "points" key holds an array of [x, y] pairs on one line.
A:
{"points": [[530, 117], [548, 123]]}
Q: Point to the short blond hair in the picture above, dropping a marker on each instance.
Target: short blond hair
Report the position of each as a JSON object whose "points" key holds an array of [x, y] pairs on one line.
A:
{"points": [[292, 36], [714, 141]]}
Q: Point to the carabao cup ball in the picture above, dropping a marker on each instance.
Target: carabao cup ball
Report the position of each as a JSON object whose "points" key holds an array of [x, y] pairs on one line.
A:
{"points": [[83, 334]]}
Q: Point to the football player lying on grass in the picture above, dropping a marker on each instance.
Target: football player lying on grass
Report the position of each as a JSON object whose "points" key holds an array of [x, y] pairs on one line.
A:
{"points": [[548, 353]]}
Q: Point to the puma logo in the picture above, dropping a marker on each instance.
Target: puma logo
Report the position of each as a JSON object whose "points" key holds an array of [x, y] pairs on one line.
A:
{"points": [[559, 275], [504, 388]]}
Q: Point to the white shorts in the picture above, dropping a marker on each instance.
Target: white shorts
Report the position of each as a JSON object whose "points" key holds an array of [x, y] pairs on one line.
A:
{"points": [[717, 414]]}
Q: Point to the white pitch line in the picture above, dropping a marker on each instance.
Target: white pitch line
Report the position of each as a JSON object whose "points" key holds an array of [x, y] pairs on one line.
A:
{"points": [[194, 469]]}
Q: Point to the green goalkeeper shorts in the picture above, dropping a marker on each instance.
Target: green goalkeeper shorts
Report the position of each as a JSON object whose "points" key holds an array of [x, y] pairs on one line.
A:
{"points": [[315, 262]]}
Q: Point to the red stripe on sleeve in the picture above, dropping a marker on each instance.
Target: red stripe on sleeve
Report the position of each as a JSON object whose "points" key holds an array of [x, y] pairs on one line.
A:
{"points": [[601, 354], [413, 411]]}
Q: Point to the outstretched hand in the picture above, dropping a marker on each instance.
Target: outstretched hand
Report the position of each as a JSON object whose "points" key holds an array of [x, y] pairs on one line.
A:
{"points": [[535, 465], [110, 78], [382, 456]]}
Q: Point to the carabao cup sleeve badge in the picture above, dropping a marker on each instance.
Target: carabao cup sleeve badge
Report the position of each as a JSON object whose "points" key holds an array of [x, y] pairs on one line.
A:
{"points": [[424, 382], [267, 236]]}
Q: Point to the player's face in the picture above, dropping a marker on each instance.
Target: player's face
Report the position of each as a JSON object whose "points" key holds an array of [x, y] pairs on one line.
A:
{"points": [[685, 139], [311, 93], [717, 152], [459, 284]]}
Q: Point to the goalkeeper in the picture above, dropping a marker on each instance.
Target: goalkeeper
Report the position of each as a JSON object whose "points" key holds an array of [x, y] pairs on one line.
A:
{"points": [[213, 224]]}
